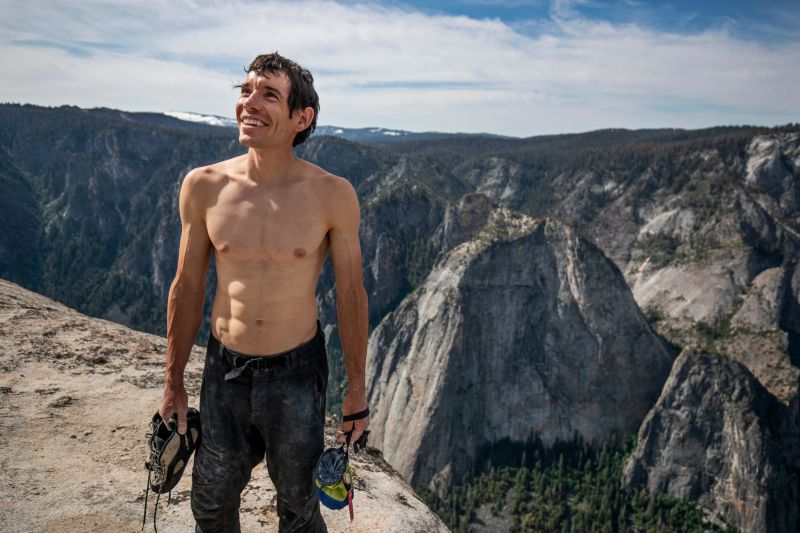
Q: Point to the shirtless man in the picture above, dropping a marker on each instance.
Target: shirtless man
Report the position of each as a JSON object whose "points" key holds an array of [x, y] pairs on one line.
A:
{"points": [[270, 219]]}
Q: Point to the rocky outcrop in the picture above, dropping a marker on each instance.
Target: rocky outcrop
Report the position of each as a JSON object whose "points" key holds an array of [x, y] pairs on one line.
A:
{"points": [[691, 264], [718, 437], [463, 220], [497, 178], [772, 166], [716, 307], [76, 395], [765, 328], [524, 330], [712, 254]]}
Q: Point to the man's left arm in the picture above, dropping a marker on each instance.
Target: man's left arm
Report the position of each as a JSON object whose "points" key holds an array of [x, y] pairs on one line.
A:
{"points": [[351, 301]]}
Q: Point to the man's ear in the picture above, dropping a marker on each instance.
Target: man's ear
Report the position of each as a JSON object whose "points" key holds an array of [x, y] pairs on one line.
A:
{"points": [[306, 116]]}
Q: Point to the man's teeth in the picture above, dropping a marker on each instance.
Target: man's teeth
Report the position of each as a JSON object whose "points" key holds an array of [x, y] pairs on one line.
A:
{"points": [[253, 122]]}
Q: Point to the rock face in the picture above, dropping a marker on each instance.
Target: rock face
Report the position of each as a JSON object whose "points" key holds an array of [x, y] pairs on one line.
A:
{"points": [[718, 437], [463, 220], [76, 396], [765, 330], [396, 229], [713, 247], [772, 165], [524, 330]]}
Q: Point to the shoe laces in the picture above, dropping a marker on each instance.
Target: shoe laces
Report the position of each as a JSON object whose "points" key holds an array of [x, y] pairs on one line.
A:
{"points": [[155, 463], [155, 466]]}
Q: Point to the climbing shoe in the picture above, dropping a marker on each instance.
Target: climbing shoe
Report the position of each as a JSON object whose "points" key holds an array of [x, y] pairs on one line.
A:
{"points": [[169, 451]]}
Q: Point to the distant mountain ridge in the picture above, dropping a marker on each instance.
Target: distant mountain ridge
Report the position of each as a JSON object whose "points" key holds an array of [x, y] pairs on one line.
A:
{"points": [[191, 120], [368, 134]]}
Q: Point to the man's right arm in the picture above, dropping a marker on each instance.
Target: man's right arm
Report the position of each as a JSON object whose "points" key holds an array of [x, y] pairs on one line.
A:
{"points": [[186, 296]]}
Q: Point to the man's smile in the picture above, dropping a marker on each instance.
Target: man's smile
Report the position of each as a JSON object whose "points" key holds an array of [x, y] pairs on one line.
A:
{"points": [[250, 121]]}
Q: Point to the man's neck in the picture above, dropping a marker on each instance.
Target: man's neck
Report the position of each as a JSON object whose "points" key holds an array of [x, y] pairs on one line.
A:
{"points": [[269, 166]]}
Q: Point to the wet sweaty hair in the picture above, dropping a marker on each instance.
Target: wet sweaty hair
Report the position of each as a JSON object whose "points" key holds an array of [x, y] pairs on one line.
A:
{"points": [[301, 87]]}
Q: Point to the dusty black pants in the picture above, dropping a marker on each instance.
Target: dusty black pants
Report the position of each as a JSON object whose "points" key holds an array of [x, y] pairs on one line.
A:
{"points": [[276, 412]]}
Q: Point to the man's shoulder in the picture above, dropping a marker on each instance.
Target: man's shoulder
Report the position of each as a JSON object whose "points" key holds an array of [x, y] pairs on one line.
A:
{"points": [[330, 184], [205, 182], [201, 184], [215, 172], [335, 193]]}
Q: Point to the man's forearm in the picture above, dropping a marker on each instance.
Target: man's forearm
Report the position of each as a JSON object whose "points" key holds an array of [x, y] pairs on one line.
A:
{"points": [[184, 313], [351, 306]]}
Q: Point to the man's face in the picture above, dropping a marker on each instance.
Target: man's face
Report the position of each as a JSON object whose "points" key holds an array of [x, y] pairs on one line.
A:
{"points": [[262, 111]]}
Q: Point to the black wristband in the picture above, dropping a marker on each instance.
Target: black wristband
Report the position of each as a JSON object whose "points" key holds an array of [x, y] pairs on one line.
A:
{"points": [[356, 416]]}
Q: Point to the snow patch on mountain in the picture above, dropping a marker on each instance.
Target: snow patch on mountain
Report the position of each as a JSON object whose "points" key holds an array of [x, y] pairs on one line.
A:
{"points": [[213, 120]]}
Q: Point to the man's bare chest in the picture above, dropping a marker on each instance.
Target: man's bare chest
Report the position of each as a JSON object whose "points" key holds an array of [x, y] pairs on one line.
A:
{"points": [[281, 226]]}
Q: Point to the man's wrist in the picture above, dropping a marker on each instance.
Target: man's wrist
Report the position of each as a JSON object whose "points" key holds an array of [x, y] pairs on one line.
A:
{"points": [[356, 399], [172, 381]]}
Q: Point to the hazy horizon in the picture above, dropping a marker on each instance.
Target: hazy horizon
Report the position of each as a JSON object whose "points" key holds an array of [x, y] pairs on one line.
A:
{"points": [[387, 128]]}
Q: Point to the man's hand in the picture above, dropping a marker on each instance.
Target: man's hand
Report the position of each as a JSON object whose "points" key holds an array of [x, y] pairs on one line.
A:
{"points": [[174, 400], [353, 403]]}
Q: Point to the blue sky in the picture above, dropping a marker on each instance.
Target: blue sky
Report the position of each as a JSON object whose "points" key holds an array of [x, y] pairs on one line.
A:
{"points": [[511, 67], [765, 21]]}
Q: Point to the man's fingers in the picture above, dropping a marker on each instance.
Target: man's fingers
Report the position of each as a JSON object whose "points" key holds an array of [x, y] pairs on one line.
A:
{"points": [[176, 415], [356, 428], [182, 423], [341, 435]]}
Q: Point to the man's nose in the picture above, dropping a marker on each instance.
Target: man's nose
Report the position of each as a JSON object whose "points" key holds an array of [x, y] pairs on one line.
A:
{"points": [[250, 99]]}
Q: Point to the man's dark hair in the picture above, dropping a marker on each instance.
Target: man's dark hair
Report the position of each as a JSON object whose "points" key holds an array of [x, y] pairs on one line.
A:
{"points": [[301, 87]]}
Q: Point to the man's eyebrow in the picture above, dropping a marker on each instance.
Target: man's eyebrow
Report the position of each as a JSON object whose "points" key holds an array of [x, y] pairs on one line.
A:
{"points": [[275, 90], [246, 84]]}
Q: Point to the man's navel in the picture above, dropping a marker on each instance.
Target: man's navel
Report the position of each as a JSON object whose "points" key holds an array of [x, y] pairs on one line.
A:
{"points": [[259, 322]]}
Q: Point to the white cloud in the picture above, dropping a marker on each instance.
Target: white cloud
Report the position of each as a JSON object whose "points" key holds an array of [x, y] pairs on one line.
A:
{"points": [[394, 67]]}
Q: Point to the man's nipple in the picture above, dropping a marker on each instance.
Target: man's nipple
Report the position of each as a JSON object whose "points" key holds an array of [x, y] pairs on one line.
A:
{"points": [[223, 247], [299, 252]]}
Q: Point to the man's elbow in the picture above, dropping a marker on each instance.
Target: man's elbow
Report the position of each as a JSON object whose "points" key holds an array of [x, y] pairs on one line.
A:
{"points": [[187, 283]]}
